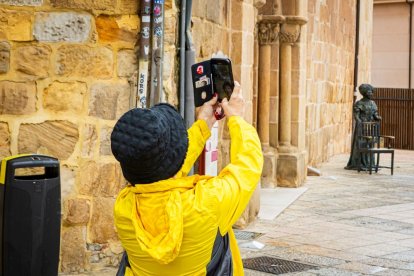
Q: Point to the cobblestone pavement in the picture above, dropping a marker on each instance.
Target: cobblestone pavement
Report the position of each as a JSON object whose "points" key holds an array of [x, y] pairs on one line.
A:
{"points": [[346, 223]]}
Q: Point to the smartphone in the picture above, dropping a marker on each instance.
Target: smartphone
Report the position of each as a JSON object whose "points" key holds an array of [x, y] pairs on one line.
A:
{"points": [[222, 76], [212, 76]]}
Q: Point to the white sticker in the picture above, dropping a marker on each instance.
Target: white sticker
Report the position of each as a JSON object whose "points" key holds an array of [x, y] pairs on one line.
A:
{"points": [[158, 20], [202, 82], [146, 19]]}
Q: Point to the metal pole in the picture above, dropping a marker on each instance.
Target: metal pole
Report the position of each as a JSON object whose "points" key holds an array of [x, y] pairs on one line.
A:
{"points": [[410, 44], [182, 57], [145, 34], [356, 60], [189, 115]]}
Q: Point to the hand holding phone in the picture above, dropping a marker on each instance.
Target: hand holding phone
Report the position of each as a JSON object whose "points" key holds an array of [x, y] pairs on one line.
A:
{"points": [[206, 112], [210, 77], [235, 105]]}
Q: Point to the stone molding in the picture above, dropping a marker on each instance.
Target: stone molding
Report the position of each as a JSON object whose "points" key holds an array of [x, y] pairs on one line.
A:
{"points": [[268, 28], [290, 29], [391, 1]]}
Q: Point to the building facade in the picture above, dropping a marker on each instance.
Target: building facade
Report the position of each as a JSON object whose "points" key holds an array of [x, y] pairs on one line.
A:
{"points": [[392, 69], [67, 73], [391, 44]]}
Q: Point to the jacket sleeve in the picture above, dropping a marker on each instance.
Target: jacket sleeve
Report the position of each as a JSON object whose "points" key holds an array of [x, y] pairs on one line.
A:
{"points": [[198, 134], [235, 184]]}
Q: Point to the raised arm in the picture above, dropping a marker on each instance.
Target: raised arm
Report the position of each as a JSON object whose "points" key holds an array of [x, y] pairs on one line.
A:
{"points": [[237, 181], [232, 188], [198, 134]]}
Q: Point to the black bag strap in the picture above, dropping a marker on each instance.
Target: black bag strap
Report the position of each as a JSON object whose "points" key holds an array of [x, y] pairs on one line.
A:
{"points": [[123, 265], [221, 260]]}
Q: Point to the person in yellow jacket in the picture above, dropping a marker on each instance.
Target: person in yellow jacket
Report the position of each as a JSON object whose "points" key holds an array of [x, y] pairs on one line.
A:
{"points": [[170, 223]]}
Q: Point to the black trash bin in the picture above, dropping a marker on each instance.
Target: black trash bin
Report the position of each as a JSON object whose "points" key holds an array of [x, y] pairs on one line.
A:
{"points": [[29, 216]]}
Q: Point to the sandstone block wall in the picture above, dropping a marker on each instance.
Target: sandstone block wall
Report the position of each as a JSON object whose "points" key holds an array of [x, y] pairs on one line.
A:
{"points": [[329, 87], [65, 68]]}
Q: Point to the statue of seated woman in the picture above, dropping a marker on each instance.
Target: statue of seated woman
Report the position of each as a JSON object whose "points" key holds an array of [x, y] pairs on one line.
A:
{"points": [[365, 110]]}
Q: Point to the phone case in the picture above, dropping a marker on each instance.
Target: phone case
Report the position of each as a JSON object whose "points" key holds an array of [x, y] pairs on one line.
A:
{"points": [[202, 82]]}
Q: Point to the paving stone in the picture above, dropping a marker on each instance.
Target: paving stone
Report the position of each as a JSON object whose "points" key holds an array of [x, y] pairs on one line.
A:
{"points": [[395, 272], [377, 223], [393, 236], [406, 256], [300, 273], [341, 244], [377, 249], [363, 268], [248, 272], [307, 258], [404, 242], [408, 266], [333, 272], [407, 231], [388, 263]]}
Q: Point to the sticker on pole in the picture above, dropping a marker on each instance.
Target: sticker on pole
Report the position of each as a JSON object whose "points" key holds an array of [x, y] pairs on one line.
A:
{"points": [[157, 10]]}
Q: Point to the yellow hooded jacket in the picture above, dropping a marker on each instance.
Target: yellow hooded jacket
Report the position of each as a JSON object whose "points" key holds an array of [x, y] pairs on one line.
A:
{"points": [[169, 227]]}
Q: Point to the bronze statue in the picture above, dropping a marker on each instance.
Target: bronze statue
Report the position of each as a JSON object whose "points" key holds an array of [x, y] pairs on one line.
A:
{"points": [[365, 110]]}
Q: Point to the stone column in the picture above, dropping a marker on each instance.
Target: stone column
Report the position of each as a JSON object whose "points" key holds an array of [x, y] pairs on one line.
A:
{"points": [[268, 34], [285, 95], [290, 163], [289, 34]]}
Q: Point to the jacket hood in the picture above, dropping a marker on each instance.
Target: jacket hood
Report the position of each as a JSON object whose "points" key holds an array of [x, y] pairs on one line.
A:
{"points": [[162, 244]]}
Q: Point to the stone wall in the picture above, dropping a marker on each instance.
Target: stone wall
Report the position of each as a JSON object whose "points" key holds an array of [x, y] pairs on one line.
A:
{"points": [[329, 87], [64, 80]]}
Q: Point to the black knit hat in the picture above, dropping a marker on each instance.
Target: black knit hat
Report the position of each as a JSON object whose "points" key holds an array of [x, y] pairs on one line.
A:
{"points": [[151, 144]]}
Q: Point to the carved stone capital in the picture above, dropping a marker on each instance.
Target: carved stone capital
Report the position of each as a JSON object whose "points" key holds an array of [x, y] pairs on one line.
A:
{"points": [[268, 28], [290, 29]]}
